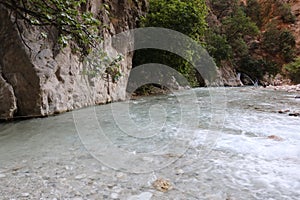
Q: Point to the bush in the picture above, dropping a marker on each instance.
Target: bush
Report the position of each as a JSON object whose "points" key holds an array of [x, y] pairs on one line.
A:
{"points": [[71, 19], [293, 70], [238, 25], [286, 14], [253, 10], [257, 68]]}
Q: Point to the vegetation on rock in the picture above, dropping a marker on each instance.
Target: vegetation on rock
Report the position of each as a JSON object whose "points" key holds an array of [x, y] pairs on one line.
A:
{"points": [[250, 37], [70, 18], [293, 69]]}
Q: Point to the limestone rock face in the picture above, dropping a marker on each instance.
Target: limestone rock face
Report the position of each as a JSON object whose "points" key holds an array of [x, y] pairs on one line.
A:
{"points": [[38, 79], [7, 100]]}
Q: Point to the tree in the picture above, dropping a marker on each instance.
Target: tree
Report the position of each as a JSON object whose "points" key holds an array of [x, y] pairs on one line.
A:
{"points": [[238, 25], [239, 30], [218, 46], [279, 42], [185, 16], [223, 8]]}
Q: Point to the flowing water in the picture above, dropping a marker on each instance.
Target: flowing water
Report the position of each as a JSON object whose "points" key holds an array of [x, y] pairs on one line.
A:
{"points": [[208, 143]]}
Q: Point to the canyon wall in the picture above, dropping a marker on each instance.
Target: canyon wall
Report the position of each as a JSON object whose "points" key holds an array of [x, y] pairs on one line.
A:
{"points": [[38, 79]]}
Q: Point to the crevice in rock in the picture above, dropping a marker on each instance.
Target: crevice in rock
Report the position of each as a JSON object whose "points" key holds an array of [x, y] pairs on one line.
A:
{"points": [[18, 69]]}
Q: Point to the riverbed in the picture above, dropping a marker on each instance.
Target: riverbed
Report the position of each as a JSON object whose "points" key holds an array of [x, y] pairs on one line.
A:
{"points": [[206, 143]]}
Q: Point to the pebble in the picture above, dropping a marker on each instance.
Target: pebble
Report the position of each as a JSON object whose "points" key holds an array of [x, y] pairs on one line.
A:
{"points": [[69, 167], [142, 196], [25, 195], [77, 198], [2, 175], [179, 171], [81, 176], [120, 175], [114, 196]]}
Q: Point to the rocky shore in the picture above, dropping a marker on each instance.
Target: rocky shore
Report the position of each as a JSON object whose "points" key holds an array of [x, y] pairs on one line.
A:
{"points": [[287, 88]]}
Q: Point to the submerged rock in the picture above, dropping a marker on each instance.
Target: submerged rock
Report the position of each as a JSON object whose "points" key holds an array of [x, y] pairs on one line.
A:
{"points": [[275, 137], [283, 111], [294, 114], [114, 196], [162, 185]]}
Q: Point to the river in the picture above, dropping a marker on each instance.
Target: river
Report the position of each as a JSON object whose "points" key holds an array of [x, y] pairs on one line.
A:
{"points": [[208, 143]]}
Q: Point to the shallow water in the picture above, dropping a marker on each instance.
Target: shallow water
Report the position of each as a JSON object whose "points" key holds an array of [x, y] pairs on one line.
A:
{"points": [[209, 143]]}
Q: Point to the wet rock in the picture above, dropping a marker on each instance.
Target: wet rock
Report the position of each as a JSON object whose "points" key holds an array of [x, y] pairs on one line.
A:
{"points": [[142, 196], [162, 185], [283, 111], [294, 114], [179, 171], [275, 137]]}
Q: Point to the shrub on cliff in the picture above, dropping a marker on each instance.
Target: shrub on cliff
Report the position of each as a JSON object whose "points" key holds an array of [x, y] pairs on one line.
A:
{"points": [[280, 42], [218, 46], [253, 10], [293, 70], [286, 14]]}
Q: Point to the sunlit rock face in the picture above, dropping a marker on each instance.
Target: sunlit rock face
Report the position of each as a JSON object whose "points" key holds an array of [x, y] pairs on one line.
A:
{"points": [[38, 79]]}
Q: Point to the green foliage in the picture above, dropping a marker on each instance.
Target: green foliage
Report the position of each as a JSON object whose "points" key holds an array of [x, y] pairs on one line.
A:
{"points": [[253, 10], [185, 16], [257, 68], [280, 42], [238, 25], [293, 70], [223, 8], [240, 48], [286, 14], [239, 30], [218, 46], [282, 9], [98, 63], [70, 18]]}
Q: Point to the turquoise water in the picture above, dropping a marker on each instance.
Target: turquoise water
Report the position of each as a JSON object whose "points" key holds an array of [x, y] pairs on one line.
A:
{"points": [[209, 143]]}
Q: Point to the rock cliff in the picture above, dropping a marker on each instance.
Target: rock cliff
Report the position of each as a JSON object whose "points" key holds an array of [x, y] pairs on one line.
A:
{"points": [[37, 79]]}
